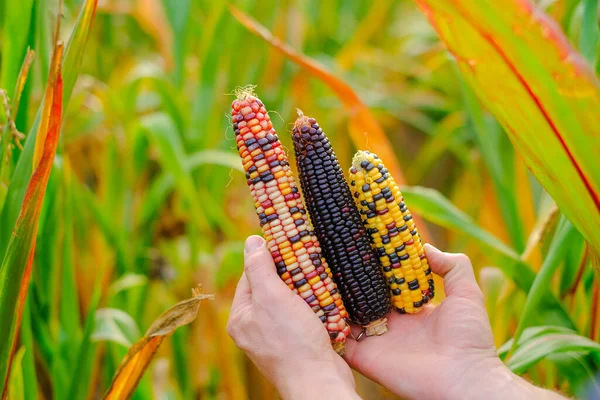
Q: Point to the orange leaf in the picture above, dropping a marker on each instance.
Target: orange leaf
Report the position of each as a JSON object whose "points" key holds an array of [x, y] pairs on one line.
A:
{"points": [[151, 16], [16, 266], [361, 119]]}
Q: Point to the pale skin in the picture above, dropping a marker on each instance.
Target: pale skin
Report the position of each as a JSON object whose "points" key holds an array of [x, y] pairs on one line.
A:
{"points": [[444, 352]]}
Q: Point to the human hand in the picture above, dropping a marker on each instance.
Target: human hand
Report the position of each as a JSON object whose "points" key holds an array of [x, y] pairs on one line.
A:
{"points": [[282, 335], [444, 352]]}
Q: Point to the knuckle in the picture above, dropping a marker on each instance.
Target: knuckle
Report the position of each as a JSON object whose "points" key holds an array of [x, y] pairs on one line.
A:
{"points": [[231, 329], [233, 326], [462, 260]]}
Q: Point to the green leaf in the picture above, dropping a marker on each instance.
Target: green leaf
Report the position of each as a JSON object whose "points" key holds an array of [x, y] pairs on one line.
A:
{"points": [[163, 132], [563, 238], [179, 15], [14, 46], [112, 232], [69, 299], [28, 363], [434, 207], [116, 326], [526, 73], [76, 47], [85, 354], [540, 342], [16, 385], [588, 38], [126, 282]]}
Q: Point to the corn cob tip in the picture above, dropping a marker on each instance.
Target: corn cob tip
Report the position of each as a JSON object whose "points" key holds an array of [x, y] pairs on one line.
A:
{"points": [[376, 328], [358, 158], [302, 120], [244, 92]]}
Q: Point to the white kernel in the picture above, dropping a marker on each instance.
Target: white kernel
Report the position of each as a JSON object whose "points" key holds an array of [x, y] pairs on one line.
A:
{"points": [[303, 257], [292, 266], [280, 207], [293, 232]]}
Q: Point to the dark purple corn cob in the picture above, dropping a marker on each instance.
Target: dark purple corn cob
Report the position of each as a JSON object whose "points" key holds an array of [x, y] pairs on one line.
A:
{"points": [[339, 228]]}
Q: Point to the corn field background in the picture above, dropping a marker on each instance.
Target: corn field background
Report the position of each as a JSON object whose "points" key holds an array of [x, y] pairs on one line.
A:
{"points": [[145, 196]]}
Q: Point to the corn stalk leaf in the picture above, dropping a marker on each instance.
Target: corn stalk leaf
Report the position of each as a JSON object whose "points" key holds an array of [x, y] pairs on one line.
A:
{"points": [[436, 208], [14, 110], [23, 171], [527, 74], [14, 46], [563, 238], [16, 265], [540, 342], [16, 385], [140, 354]]}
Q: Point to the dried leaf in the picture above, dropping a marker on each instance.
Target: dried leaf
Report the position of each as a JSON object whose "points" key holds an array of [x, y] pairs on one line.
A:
{"points": [[139, 356]]}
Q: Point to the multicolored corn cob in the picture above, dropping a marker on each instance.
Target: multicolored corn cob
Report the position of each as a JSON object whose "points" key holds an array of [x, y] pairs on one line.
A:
{"points": [[339, 228], [290, 239], [393, 233]]}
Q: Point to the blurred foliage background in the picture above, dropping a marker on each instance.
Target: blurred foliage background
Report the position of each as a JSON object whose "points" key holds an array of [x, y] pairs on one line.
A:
{"points": [[147, 199]]}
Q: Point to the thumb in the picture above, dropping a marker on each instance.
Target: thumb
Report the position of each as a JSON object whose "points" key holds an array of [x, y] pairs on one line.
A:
{"points": [[260, 269], [457, 271]]}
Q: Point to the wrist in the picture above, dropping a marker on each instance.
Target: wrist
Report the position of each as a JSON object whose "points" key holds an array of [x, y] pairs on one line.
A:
{"points": [[317, 379]]}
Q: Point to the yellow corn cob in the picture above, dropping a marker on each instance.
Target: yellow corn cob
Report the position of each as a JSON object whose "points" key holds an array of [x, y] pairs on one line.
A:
{"points": [[289, 236], [393, 233]]}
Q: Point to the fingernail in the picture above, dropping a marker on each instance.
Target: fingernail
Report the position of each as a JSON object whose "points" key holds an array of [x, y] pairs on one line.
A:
{"points": [[253, 243], [431, 248]]}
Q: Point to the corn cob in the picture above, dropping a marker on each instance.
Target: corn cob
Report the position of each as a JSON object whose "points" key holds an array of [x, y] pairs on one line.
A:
{"points": [[339, 228], [393, 233], [290, 239]]}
